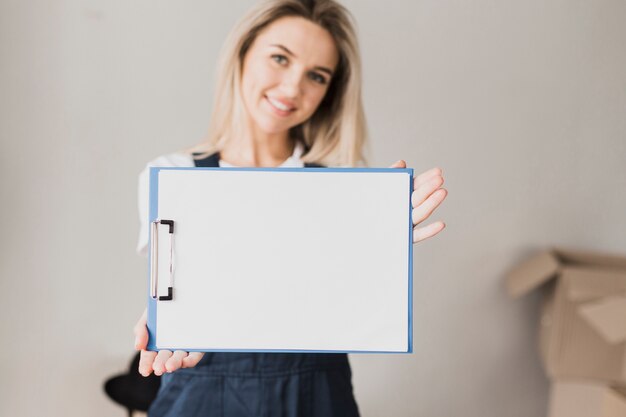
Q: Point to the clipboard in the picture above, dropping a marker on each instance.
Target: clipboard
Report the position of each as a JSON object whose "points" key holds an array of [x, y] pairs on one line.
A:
{"points": [[281, 260]]}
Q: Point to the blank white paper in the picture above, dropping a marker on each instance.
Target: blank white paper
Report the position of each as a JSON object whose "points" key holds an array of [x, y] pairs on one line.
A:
{"points": [[285, 260]]}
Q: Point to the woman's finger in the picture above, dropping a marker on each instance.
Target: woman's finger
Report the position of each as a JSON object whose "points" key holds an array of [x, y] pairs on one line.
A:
{"points": [[175, 361], [146, 359], [421, 212], [159, 362], [192, 359], [422, 233], [421, 193], [426, 176], [399, 164]]}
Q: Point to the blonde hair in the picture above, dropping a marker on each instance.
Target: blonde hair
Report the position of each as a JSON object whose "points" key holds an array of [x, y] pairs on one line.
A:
{"points": [[336, 133]]}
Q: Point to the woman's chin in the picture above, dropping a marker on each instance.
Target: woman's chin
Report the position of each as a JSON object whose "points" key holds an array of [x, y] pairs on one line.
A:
{"points": [[269, 128]]}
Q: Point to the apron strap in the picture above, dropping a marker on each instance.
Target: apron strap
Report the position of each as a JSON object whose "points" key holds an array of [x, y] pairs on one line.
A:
{"points": [[213, 161]]}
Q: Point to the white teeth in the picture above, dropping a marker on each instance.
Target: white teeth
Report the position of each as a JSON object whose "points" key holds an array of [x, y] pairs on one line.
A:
{"points": [[279, 105]]}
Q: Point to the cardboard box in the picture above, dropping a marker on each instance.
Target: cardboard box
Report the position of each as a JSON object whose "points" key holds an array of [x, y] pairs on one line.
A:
{"points": [[582, 331], [585, 399]]}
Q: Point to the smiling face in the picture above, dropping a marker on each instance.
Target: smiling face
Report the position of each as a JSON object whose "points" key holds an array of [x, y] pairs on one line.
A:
{"points": [[286, 73]]}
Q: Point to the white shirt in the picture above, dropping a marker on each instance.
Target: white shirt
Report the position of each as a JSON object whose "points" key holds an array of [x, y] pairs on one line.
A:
{"points": [[184, 160]]}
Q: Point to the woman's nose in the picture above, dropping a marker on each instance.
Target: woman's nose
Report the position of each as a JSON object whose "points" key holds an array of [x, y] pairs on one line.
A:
{"points": [[291, 84]]}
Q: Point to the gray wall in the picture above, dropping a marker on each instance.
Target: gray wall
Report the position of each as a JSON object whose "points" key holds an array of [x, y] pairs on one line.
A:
{"points": [[522, 103]]}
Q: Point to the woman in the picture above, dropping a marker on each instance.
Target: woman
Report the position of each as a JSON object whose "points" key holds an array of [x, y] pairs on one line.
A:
{"points": [[288, 95]]}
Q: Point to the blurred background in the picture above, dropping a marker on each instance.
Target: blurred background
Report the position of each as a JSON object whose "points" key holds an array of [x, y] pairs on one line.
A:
{"points": [[522, 103]]}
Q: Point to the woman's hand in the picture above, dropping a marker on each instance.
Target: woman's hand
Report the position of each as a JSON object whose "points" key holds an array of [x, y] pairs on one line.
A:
{"points": [[163, 360], [427, 196]]}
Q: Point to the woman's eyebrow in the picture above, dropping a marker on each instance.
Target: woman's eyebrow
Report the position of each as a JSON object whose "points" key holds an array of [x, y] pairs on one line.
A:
{"points": [[284, 48], [326, 70]]}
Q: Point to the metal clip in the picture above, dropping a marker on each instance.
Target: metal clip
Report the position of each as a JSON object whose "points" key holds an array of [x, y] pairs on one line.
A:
{"points": [[154, 269]]}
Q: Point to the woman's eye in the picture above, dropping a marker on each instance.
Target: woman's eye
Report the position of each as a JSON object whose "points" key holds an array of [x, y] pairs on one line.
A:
{"points": [[281, 59], [317, 78]]}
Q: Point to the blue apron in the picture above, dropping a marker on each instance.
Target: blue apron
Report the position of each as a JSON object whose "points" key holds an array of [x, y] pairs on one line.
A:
{"points": [[258, 384]]}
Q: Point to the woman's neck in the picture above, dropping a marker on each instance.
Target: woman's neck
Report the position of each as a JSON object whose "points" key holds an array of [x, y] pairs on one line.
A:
{"points": [[258, 149]]}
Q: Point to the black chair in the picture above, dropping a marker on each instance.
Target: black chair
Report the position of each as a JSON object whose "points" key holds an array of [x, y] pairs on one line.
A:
{"points": [[132, 390]]}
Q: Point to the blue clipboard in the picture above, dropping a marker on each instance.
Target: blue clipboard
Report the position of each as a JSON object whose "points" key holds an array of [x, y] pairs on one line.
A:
{"points": [[281, 260]]}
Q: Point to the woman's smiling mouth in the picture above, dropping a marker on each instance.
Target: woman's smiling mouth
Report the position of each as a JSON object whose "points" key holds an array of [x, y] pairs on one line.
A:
{"points": [[281, 108]]}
